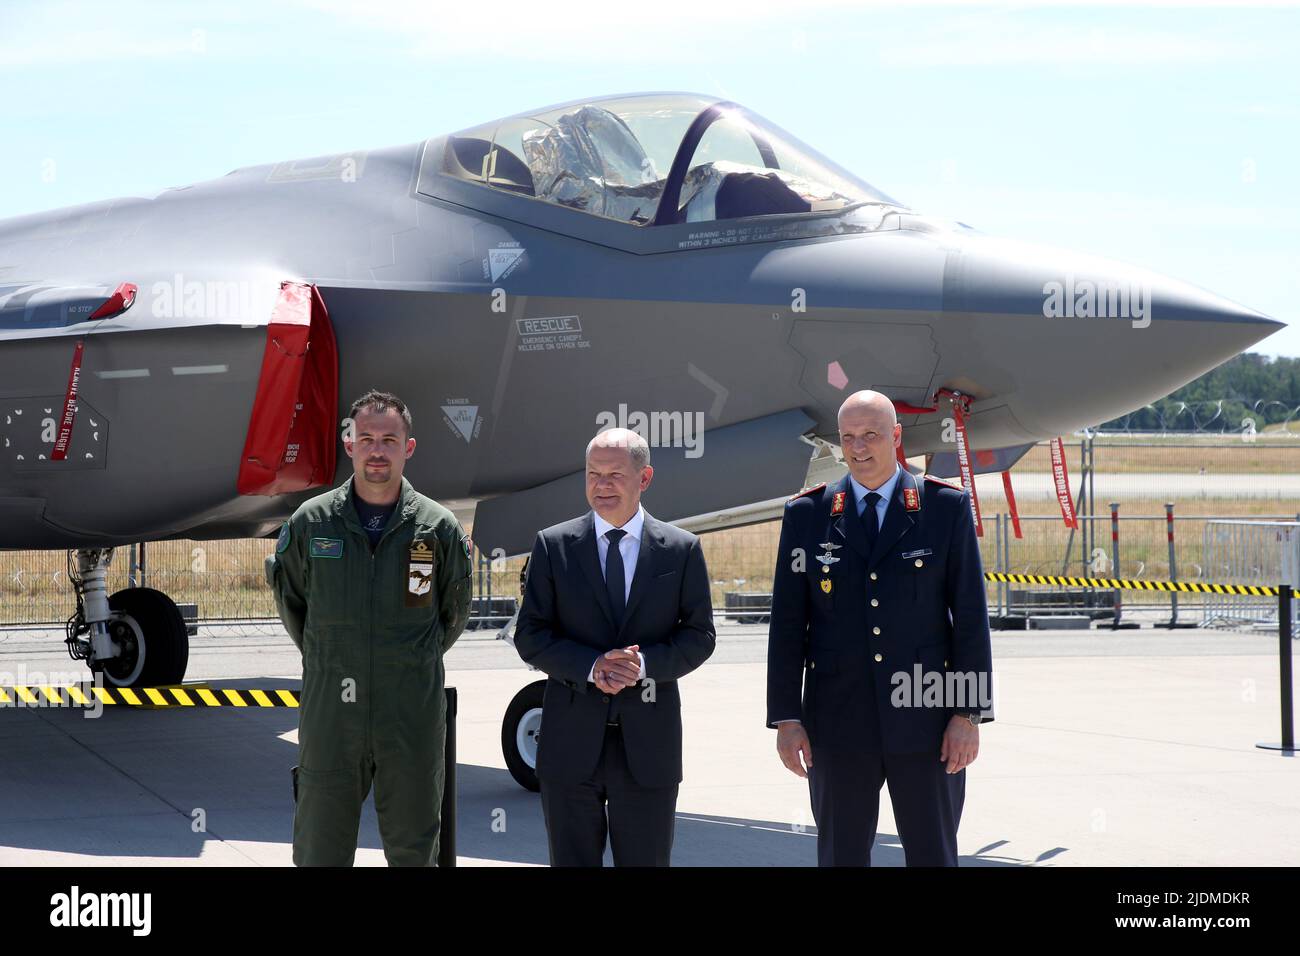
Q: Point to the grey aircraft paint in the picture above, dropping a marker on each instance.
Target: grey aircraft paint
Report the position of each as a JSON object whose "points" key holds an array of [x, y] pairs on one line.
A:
{"points": [[511, 324]]}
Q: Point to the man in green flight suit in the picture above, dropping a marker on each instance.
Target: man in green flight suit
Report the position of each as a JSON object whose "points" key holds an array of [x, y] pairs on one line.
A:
{"points": [[372, 581]]}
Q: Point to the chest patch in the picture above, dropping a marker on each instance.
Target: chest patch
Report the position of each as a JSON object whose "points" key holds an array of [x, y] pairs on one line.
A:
{"points": [[419, 575], [326, 548]]}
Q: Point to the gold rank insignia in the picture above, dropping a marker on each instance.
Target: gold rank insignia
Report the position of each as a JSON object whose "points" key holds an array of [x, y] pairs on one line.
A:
{"points": [[911, 500], [837, 503], [419, 576], [826, 585]]}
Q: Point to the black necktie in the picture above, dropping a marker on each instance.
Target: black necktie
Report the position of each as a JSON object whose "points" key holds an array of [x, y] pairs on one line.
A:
{"points": [[615, 579], [870, 519]]}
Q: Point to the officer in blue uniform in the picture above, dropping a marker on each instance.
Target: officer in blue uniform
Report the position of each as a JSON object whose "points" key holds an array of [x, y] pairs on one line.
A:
{"points": [[879, 660]]}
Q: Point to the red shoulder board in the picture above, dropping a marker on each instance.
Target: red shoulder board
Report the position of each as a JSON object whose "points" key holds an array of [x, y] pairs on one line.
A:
{"points": [[807, 491], [940, 481]]}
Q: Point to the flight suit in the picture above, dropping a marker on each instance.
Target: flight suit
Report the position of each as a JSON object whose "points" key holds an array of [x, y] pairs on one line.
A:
{"points": [[846, 621], [372, 628]]}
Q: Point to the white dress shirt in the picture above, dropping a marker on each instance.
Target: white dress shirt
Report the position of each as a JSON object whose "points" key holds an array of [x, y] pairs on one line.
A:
{"points": [[629, 546], [886, 492], [860, 492]]}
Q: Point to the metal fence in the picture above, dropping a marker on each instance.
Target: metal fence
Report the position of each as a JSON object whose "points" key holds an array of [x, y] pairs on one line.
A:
{"points": [[1249, 552], [225, 584], [1143, 502], [1207, 479], [223, 581]]}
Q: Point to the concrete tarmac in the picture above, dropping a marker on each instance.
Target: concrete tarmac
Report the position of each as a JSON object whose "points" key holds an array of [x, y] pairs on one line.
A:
{"points": [[1134, 748]]}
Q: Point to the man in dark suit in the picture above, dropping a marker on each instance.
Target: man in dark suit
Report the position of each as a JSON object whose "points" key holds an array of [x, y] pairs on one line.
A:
{"points": [[879, 618], [616, 610]]}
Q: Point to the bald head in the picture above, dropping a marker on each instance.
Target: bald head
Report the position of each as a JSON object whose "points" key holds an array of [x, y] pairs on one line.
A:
{"points": [[869, 437], [867, 402]]}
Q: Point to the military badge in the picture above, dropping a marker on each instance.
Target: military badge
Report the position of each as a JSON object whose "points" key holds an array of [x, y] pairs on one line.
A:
{"points": [[826, 561], [419, 575], [911, 500], [282, 542], [826, 585], [326, 548], [837, 503]]}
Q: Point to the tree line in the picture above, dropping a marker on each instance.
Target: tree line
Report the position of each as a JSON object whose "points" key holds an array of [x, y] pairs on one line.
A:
{"points": [[1252, 387]]}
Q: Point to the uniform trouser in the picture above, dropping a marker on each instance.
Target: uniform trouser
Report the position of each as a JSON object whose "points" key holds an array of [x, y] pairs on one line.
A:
{"points": [[638, 820], [408, 803], [927, 802]]}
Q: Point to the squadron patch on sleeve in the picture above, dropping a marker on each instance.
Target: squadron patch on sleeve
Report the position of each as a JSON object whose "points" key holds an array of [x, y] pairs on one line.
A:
{"points": [[282, 542]]}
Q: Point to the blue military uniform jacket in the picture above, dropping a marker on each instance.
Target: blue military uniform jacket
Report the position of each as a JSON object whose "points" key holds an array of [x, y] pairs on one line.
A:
{"points": [[841, 630]]}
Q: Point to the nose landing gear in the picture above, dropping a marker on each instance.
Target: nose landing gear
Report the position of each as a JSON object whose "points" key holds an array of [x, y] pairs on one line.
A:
{"points": [[135, 637]]}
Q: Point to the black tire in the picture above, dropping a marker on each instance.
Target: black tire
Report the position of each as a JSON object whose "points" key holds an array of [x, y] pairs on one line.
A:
{"points": [[525, 709], [165, 645]]}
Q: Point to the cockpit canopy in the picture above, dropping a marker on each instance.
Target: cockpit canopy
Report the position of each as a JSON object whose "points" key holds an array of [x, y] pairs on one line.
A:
{"points": [[655, 159]]}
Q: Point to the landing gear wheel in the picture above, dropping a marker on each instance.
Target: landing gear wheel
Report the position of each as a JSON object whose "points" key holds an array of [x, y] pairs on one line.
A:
{"points": [[521, 732], [155, 647]]}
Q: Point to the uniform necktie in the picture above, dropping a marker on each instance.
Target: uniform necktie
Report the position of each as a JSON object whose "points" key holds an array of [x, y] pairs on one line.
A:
{"points": [[615, 579], [870, 519]]}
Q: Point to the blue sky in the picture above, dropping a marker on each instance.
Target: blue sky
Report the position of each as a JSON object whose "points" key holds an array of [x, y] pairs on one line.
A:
{"points": [[1164, 134]]}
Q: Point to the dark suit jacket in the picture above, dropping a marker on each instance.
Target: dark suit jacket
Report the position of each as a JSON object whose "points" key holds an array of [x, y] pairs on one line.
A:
{"points": [[566, 622], [928, 584]]}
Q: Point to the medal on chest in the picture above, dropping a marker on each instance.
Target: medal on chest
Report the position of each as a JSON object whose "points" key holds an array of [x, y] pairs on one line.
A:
{"points": [[828, 558]]}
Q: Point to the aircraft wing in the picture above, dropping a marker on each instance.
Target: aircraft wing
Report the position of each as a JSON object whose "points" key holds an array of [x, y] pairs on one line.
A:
{"points": [[742, 474]]}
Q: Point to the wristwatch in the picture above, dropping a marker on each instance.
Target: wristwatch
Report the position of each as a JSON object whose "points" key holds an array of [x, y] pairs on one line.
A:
{"points": [[973, 717]]}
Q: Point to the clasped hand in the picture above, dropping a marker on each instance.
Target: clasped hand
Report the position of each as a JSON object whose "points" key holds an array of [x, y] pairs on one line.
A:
{"points": [[617, 669]]}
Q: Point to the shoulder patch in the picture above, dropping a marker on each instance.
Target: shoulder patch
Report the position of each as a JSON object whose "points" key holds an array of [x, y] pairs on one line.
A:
{"points": [[807, 491], [464, 543], [946, 484], [282, 542]]}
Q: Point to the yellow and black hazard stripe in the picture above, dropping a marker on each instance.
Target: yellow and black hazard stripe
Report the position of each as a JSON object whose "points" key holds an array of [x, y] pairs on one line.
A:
{"points": [[88, 695], [1131, 584]]}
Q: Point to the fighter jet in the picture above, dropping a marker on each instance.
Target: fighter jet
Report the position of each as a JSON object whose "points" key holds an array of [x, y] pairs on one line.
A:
{"points": [[180, 366]]}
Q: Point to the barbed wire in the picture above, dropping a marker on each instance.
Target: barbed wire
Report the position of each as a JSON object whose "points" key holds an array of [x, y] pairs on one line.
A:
{"points": [[1207, 416]]}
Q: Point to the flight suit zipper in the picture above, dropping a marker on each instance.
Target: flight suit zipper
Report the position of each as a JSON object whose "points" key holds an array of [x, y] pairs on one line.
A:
{"points": [[370, 622], [370, 648]]}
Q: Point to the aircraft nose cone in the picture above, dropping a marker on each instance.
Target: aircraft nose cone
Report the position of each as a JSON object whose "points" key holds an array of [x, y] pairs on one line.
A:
{"points": [[1084, 340]]}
